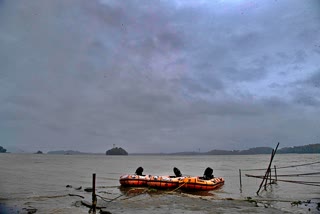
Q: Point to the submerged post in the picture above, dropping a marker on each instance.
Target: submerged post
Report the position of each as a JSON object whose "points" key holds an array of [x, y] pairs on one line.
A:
{"points": [[94, 197], [240, 180], [270, 182], [275, 173]]}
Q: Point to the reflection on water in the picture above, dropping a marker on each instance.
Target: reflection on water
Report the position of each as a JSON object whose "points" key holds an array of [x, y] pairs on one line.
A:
{"points": [[133, 191], [27, 176]]}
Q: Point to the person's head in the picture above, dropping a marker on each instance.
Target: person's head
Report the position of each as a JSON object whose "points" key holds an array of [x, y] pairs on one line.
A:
{"points": [[177, 172], [139, 171], [208, 172]]}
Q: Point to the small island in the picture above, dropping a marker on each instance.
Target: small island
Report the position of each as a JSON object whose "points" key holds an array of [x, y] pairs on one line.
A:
{"points": [[116, 151], [2, 150], [39, 152]]}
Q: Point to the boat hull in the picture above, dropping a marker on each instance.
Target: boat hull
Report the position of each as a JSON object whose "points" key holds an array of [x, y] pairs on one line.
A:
{"points": [[134, 180], [164, 182], [198, 184]]}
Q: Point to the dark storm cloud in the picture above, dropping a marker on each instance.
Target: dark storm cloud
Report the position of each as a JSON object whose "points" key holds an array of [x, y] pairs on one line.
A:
{"points": [[153, 75], [313, 80], [306, 98], [307, 92]]}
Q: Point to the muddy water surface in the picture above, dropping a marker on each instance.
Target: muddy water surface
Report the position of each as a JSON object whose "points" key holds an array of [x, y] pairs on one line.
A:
{"points": [[30, 181]]}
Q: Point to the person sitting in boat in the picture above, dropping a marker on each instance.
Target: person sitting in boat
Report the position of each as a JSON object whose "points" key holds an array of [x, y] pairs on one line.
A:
{"points": [[139, 171], [177, 172], [208, 174]]}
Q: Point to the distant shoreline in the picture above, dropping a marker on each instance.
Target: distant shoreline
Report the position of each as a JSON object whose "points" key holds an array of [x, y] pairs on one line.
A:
{"points": [[306, 149]]}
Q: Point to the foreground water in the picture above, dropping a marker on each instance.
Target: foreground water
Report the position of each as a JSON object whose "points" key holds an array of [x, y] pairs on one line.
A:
{"points": [[30, 181]]}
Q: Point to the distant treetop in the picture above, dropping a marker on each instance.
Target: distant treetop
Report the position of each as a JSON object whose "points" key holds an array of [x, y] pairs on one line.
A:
{"points": [[116, 151], [2, 150], [311, 148]]}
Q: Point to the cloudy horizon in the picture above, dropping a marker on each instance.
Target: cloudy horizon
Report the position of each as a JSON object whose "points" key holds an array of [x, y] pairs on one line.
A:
{"points": [[159, 76]]}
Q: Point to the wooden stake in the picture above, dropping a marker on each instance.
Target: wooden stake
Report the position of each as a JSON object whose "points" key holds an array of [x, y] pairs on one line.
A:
{"points": [[240, 180], [94, 197], [275, 173]]}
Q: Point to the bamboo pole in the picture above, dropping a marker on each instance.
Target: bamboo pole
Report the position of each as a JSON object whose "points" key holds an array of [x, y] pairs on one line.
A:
{"points": [[265, 179], [266, 174]]}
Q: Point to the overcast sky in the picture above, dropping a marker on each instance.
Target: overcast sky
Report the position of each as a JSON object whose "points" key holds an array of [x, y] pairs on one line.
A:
{"points": [[159, 76]]}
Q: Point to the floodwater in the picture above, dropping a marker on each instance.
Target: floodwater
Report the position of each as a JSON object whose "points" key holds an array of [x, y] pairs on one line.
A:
{"points": [[38, 181]]}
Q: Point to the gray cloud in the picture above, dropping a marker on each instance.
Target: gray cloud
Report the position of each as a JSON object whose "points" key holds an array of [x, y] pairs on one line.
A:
{"points": [[158, 75]]}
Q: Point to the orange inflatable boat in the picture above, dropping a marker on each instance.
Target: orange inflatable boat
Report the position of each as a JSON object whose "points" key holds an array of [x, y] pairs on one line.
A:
{"points": [[164, 182], [200, 184], [134, 180]]}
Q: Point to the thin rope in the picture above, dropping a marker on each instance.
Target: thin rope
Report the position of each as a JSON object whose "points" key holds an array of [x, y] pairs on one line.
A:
{"points": [[109, 199], [283, 167], [298, 165], [297, 175], [135, 195], [310, 183], [302, 182], [177, 188]]}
